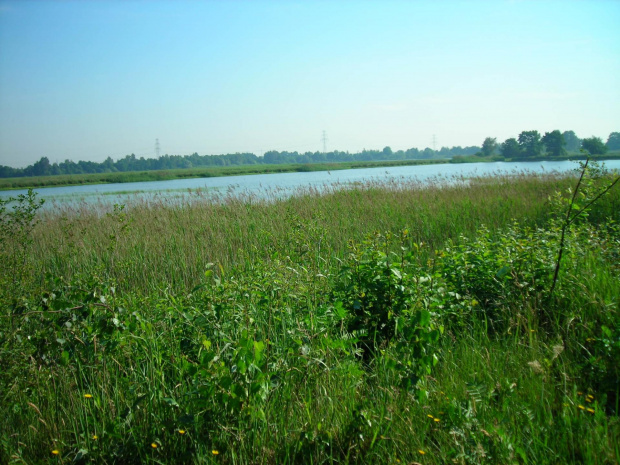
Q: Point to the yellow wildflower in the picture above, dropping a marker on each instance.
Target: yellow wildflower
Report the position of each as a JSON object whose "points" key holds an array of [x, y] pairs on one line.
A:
{"points": [[95, 437], [591, 410], [215, 452], [181, 431], [581, 407], [88, 396], [430, 416], [55, 452], [436, 420], [421, 452], [154, 445]]}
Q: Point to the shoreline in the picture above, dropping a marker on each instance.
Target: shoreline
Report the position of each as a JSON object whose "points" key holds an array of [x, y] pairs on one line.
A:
{"points": [[8, 184]]}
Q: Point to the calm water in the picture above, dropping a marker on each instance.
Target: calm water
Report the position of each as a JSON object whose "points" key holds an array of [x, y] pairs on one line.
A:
{"points": [[285, 183]]}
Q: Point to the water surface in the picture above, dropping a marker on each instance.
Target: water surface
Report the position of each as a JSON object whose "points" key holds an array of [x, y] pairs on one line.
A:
{"points": [[286, 183]]}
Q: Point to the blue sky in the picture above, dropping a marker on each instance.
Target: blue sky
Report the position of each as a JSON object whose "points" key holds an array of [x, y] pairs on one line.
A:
{"points": [[92, 79]]}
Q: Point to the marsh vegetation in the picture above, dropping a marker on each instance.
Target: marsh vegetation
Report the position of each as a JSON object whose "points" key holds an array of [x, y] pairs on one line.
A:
{"points": [[389, 322]]}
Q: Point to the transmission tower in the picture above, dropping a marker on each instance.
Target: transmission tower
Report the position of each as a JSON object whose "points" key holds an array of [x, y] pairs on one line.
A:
{"points": [[157, 148], [324, 140], [434, 143]]}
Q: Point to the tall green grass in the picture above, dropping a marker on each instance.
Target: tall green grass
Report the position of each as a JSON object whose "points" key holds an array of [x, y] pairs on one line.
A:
{"points": [[158, 243], [227, 330]]}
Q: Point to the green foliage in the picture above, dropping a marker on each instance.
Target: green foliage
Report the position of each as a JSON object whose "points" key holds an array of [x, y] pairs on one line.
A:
{"points": [[18, 219], [130, 164], [511, 149], [76, 178], [232, 382], [387, 303], [17, 223], [594, 145], [498, 274], [613, 141], [573, 143], [374, 287], [530, 144], [248, 332], [554, 143], [489, 146]]}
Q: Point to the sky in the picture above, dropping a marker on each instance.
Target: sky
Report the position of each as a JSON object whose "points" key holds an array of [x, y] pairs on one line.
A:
{"points": [[91, 79]]}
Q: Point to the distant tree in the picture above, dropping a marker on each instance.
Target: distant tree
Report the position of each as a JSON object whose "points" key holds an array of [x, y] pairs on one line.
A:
{"points": [[554, 143], [510, 148], [412, 153], [42, 167], [530, 144], [613, 141], [108, 165], [398, 155], [472, 149], [387, 152], [428, 153], [573, 143], [8, 172], [69, 167], [271, 157], [489, 146], [594, 145], [318, 157]]}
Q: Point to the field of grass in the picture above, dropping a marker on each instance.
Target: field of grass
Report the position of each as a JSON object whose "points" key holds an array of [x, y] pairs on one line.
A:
{"points": [[206, 172], [382, 323]]}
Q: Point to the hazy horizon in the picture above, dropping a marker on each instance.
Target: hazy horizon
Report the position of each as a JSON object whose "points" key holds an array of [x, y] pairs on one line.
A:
{"points": [[88, 80]]}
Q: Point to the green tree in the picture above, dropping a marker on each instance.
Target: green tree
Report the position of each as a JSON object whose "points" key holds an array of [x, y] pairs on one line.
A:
{"points": [[272, 157], [108, 165], [428, 153], [489, 146], [40, 168], [573, 143], [554, 143], [594, 145], [613, 141], [530, 144], [510, 148]]}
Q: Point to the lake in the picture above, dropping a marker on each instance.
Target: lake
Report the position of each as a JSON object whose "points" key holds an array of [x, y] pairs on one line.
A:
{"points": [[285, 184]]}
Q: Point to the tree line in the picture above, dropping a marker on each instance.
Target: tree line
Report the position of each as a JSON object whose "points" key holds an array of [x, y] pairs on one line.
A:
{"points": [[529, 145], [43, 167]]}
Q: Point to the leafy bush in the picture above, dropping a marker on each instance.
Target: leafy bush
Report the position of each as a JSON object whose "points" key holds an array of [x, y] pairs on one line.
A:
{"points": [[500, 273], [387, 302], [16, 226]]}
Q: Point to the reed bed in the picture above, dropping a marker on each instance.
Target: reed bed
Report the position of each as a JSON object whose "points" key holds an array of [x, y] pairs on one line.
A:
{"points": [[387, 322], [166, 242]]}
